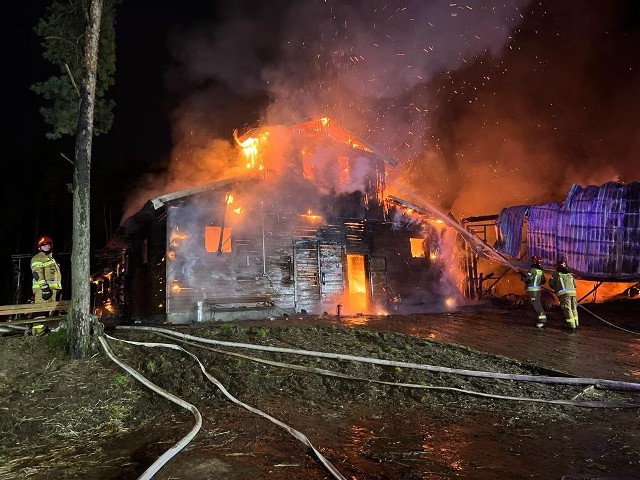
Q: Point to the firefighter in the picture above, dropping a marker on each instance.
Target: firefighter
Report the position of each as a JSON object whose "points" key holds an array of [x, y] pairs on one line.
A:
{"points": [[564, 285], [47, 279], [533, 281]]}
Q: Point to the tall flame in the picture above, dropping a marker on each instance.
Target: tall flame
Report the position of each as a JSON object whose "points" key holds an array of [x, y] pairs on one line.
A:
{"points": [[251, 149]]}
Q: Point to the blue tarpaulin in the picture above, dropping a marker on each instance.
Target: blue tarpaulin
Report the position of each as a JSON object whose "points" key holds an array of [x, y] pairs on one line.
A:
{"points": [[596, 229]]}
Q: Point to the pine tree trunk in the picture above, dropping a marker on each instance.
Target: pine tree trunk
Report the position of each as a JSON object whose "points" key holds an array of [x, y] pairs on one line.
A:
{"points": [[79, 326]]}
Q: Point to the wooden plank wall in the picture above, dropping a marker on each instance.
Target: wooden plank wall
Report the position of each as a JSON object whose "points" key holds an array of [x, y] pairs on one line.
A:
{"points": [[405, 276], [287, 257], [307, 275], [332, 282], [245, 271]]}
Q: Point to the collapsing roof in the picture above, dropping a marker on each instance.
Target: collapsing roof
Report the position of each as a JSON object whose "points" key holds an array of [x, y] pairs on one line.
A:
{"points": [[325, 126], [253, 143], [596, 229]]}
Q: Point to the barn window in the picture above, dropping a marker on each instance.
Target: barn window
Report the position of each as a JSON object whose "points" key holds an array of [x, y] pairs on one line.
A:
{"points": [[417, 247], [213, 237]]}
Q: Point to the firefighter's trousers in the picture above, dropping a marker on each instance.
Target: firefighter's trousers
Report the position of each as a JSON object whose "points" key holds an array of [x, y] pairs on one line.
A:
{"points": [[534, 297], [569, 306]]}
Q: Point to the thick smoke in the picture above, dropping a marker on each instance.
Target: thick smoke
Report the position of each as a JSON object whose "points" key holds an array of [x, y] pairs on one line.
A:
{"points": [[554, 109], [484, 104]]}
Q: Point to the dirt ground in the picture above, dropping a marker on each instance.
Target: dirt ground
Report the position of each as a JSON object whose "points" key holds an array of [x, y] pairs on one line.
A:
{"points": [[62, 419]]}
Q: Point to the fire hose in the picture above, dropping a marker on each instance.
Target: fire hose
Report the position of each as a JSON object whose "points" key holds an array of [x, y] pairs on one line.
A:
{"points": [[160, 462], [169, 454], [330, 373], [604, 321], [197, 341], [599, 383]]}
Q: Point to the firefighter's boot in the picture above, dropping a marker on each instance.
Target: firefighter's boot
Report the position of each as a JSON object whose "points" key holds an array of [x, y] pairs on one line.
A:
{"points": [[542, 319], [38, 330], [571, 325]]}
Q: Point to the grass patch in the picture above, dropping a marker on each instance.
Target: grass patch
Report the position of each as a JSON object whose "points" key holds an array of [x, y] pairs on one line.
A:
{"points": [[57, 342], [120, 380], [262, 333]]}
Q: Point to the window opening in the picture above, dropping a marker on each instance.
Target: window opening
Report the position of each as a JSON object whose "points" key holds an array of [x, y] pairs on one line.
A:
{"points": [[212, 239], [418, 249]]}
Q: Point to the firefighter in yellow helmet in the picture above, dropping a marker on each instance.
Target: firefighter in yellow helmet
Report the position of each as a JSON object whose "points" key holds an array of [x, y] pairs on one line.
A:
{"points": [[533, 281], [564, 285], [47, 279]]}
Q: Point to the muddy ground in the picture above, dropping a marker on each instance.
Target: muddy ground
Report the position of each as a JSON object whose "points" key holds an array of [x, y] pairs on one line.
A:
{"points": [[62, 419]]}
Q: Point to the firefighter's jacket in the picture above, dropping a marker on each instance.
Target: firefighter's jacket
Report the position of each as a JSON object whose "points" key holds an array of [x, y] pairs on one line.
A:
{"points": [[45, 269], [534, 279], [563, 283]]}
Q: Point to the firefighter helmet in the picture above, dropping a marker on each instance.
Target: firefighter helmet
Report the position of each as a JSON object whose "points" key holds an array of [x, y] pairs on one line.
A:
{"points": [[44, 241], [536, 259], [561, 264]]}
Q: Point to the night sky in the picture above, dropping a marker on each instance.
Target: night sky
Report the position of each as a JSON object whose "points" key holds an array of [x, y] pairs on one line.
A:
{"points": [[484, 104]]}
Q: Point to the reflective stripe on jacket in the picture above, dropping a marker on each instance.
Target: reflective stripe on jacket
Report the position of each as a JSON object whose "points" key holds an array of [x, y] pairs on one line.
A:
{"points": [[45, 270], [534, 279], [563, 283]]}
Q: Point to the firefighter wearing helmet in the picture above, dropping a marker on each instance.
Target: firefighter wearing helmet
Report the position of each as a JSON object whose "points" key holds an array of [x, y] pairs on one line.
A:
{"points": [[533, 281], [564, 285], [47, 279]]}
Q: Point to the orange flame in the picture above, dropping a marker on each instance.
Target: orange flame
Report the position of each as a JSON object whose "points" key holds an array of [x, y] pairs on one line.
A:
{"points": [[108, 306], [177, 288], [311, 216], [251, 148], [176, 236]]}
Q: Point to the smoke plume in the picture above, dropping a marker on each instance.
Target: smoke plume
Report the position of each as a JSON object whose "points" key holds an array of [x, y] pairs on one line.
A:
{"points": [[483, 104]]}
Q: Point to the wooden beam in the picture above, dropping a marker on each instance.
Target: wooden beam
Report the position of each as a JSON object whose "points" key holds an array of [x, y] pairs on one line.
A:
{"points": [[62, 305], [26, 321], [240, 299]]}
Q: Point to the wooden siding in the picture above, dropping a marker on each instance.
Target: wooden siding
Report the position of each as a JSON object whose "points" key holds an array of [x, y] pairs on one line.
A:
{"points": [[300, 266], [410, 279], [307, 273], [331, 274], [356, 238], [260, 263], [296, 261]]}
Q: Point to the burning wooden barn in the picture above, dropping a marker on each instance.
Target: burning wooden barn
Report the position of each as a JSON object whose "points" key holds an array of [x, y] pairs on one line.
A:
{"points": [[305, 230]]}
